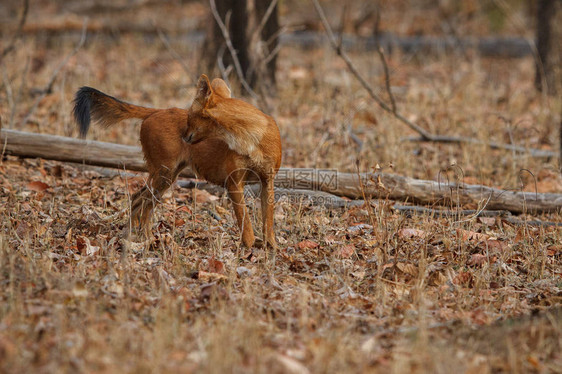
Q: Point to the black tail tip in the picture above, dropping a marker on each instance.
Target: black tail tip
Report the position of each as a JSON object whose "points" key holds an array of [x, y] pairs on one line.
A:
{"points": [[81, 111]]}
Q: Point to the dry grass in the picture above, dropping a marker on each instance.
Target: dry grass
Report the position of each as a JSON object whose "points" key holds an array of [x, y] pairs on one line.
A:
{"points": [[346, 292]]}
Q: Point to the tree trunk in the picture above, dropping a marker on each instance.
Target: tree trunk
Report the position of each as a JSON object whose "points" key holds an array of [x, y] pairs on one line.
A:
{"points": [[544, 71], [269, 41], [238, 16], [235, 16]]}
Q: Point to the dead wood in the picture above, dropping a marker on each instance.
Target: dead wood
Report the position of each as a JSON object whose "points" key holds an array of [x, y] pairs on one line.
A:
{"points": [[493, 145], [375, 185], [469, 214], [396, 187], [60, 148]]}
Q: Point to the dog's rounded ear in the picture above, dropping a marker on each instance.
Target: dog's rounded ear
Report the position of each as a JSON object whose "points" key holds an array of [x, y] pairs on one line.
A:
{"points": [[220, 88], [204, 91]]}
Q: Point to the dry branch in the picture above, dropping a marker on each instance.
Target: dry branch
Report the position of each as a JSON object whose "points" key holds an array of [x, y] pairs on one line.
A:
{"points": [[340, 52], [376, 185], [424, 134], [471, 214], [173, 52], [232, 51], [493, 145]]}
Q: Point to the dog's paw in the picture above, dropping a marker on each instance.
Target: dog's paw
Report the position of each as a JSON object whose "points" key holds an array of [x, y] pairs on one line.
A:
{"points": [[258, 243]]}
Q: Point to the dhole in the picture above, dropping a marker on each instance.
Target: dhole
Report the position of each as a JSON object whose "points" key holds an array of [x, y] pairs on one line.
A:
{"points": [[223, 140]]}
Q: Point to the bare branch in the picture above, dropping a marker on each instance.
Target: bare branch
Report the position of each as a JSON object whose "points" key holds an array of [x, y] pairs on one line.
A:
{"points": [[271, 55], [232, 51], [333, 41], [220, 63], [424, 134], [266, 16], [387, 79]]}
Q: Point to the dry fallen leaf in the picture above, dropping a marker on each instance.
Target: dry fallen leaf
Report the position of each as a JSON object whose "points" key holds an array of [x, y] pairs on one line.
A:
{"points": [[482, 240], [202, 196], [553, 250], [407, 268], [346, 251], [488, 221], [307, 244], [472, 236], [412, 233], [37, 186], [215, 266], [210, 277], [477, 259], [85, 247], [290, 365], [462, 278]]}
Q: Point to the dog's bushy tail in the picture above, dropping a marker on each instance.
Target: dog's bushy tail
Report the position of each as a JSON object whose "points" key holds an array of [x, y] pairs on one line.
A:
{"points": [[91, 104]]}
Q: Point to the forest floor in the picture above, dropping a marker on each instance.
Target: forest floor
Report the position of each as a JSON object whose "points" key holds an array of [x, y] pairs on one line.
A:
{"points": [[348, 290]]}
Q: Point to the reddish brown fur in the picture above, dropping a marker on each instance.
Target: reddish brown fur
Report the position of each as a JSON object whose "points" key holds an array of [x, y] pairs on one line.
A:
{"points": [[165, 136], [253, 147]]}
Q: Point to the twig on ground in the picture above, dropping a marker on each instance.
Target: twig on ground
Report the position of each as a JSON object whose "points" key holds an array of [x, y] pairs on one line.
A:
{"points": [[538, 223], [503, 214], [493, 145], [410, 210], [49, 87]]}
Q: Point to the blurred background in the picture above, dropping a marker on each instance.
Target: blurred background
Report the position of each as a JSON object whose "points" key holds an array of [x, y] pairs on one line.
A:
{"points": [[482, 69]]}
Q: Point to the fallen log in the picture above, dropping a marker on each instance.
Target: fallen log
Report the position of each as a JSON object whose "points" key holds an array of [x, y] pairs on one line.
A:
{"points": [[353, 186], [396, 187], [61, 148]]}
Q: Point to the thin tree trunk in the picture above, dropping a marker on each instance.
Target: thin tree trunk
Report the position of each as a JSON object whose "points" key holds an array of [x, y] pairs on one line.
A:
{"points": [[268, 35], [234, 15], [544, 74]]}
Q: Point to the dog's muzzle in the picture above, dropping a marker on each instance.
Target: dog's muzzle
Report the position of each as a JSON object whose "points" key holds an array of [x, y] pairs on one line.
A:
{"points": [[188, 139]]}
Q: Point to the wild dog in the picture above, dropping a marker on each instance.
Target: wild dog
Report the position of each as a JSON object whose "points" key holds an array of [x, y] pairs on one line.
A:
{"points": [[223, 140], [254, 142]]}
